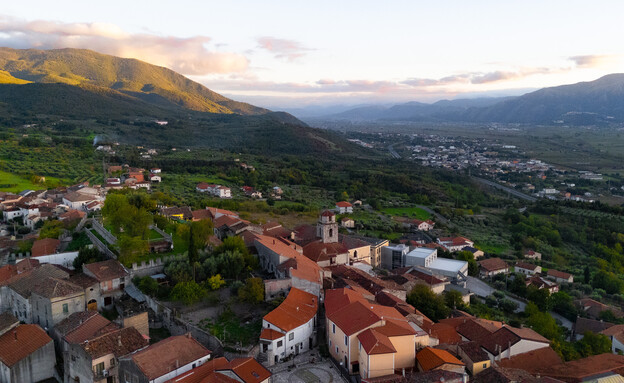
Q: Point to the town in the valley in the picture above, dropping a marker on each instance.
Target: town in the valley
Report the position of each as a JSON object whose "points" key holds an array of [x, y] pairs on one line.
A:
{"points": [[98, 283]]}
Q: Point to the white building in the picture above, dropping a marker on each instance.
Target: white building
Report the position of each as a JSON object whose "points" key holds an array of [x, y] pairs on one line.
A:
{"points": [[428, 258], [291, 328]]}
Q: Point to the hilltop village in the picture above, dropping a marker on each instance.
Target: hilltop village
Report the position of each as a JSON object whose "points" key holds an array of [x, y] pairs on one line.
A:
{"points": [[100, 284]]}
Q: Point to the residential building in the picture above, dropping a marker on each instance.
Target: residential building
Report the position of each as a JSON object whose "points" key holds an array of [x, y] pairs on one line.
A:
{"points": [[616, 335], [358, 250], [344, 207], [112, 277], [542, 283], [453, 244], [436, 359], [164, 360], [560, 276], [219, 370], [510, 341], [533, 361], [527, 268], [348, 315], [80, 327], [45, 246], [53, 300], [347, 223], [475, 252], [600, 368], [474, 357], [492, 266], [376, 245], [97, 358], [26, 352], [290, 328], [531, 254]]}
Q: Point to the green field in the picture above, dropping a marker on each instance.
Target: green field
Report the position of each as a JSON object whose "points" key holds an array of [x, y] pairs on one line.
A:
{"points": [[15, 183], [412, 212]]}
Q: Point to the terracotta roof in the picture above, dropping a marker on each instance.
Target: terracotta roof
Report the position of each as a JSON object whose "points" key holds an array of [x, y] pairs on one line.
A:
{"points": [[336, 299], [73, 321], [72, 214], [533, 361], [198, 374], [201, 214], [327, 213], [83, 280], [372, 284], [45, 246], [6, 272], [23, 283], [473, 330], [616, 332], [120, 343], [106, 270], [56, 288], [343, 204], [302, 267], [7, 321], [581, 369], [78, 197], [430, 279], [387, 299], [297, 309], [26, 264], [184, 211], [20, 342], [375, 342], [507, 336], [432, 358], [497, 374], [558, 274], [474, 351], [527, 266], [91, 327], [270, 334], [493, 264], [443, 332], [248, 370], [583, 325], [319, 251]]}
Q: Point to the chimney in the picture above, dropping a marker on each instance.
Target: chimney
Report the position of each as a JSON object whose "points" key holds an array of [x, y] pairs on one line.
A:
{"points": [[119, 341], [188, 335]]}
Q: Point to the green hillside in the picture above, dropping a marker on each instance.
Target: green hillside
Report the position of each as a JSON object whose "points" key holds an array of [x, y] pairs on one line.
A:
{"points": [[85, 68]]}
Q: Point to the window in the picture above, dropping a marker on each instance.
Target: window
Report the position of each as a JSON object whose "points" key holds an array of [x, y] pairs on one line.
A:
{"points": [[346, 340], [333, 328], [291, 336], [336, 349], [99, 368], [112, 362], [359, 345], [484, 365], [279, 343], [65, 308], [330, 343]]}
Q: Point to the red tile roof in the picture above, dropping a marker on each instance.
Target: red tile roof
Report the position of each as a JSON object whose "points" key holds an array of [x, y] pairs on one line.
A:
{"points": [[119, 343], [493, 264], [533, 361], [343, 204], [302, 267], [354, 317], [198, 374], [297, 309], [319, 251], [270, 334], [336, 299], [432, 358], [327, 213], [578, 370], [527, 266], [248, 370], [92, 327], [375, 342], [45, 246], [6, 272], [163, 357], [106, 270], [20, 342], [507, 336], [558, 274], [55, 288]]}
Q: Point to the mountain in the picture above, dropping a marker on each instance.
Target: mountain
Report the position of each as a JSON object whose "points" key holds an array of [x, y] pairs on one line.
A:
{"points": [[595, 102], [91, 70]]}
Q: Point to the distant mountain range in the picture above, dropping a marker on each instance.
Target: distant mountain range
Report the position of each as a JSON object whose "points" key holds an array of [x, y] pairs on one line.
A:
{"points": [[596, 102]]}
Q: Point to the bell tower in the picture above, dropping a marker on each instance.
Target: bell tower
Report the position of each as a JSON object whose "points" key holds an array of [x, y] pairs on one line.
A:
{"points": [[327, 228]]}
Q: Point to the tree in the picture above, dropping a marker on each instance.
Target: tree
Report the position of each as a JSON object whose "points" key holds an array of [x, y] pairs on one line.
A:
{"points": [[131, 249], [541, 297], [507, 305], [518, 285], [473, 266], [51, 229], [593, 344], [453, 299], [87, 255], [562, 303], [148, 285], [201, 232], [430, 304], [215, 282], [542, 322], [252, 291], [187, 292], [587, 275]]}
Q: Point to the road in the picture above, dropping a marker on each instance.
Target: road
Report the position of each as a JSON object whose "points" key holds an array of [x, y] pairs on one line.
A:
{"points": [[511, 191], [393, 152]]}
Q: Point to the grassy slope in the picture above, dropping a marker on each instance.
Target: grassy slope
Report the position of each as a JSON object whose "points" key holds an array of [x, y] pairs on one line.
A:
{"points": [[83, 67]]}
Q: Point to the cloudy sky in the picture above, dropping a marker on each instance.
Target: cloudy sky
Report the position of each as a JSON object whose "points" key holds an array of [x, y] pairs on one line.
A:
{"points": [[294, 53]]}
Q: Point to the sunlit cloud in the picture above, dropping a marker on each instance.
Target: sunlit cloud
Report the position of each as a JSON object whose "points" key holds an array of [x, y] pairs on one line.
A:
{"points": [[593, 61], [282, 48], [187, 55]]}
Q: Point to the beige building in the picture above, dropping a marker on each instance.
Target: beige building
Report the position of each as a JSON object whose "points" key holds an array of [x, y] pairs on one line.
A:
{"points": [[53, 300], [387, 348]]}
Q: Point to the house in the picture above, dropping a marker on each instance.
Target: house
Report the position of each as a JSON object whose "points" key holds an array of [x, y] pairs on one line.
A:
{"points": [[112, 277], [542, 283], [474, 357], [409, 277], [533, 361], [560, 276], [533, 255], [593, 308], [429, 359], [455, 243], [79, 327], [76, 200], [508, 342], [616, 335], [155, 171], [583, 325], [11, 213], [507, 375], [343, 207], [527, 268], [596, 368], [358, 250], [223, 192], [219, 370], [26, 352], [347, 222], [113, 181], [376, 245], [54, 299], [391, 342], [251, 192], [203, 187], [291, 327], [422, 225], [492, 266], [181, 213], [475, 252], [164, 360], [45, 246], [97, 358]]}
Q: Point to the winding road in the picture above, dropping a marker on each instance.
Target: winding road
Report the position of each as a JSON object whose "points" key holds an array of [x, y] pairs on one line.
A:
{"points": [[509, 190]]}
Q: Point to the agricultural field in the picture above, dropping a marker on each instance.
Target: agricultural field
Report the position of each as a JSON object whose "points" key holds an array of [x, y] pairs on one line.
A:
{"points": [[410, 212]]}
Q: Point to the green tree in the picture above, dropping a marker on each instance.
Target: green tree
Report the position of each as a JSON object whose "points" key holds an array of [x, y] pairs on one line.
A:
{"points": [[115, 209], [562, 304], [541, 297], [542, 322], [453, 299], [87, 255], [593, 344], [252, 291], [131, 249], [148, 285], [215, 282], [430, 304], [51, 229], [587, 275], [473, 266], [518, 285], [187, 292], [201, 232]]}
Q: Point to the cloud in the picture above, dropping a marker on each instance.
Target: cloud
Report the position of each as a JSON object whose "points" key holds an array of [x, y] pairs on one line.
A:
{"points": [[591, 61], [282, 48], [187, 55]]}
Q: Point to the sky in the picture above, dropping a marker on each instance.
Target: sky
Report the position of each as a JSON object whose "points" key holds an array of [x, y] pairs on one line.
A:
{"points": [[286, 54]]}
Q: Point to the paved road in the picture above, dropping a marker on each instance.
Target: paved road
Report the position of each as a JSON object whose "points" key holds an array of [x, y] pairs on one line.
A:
{"points": [[478, 287], [393, 152], [509, 190]]}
